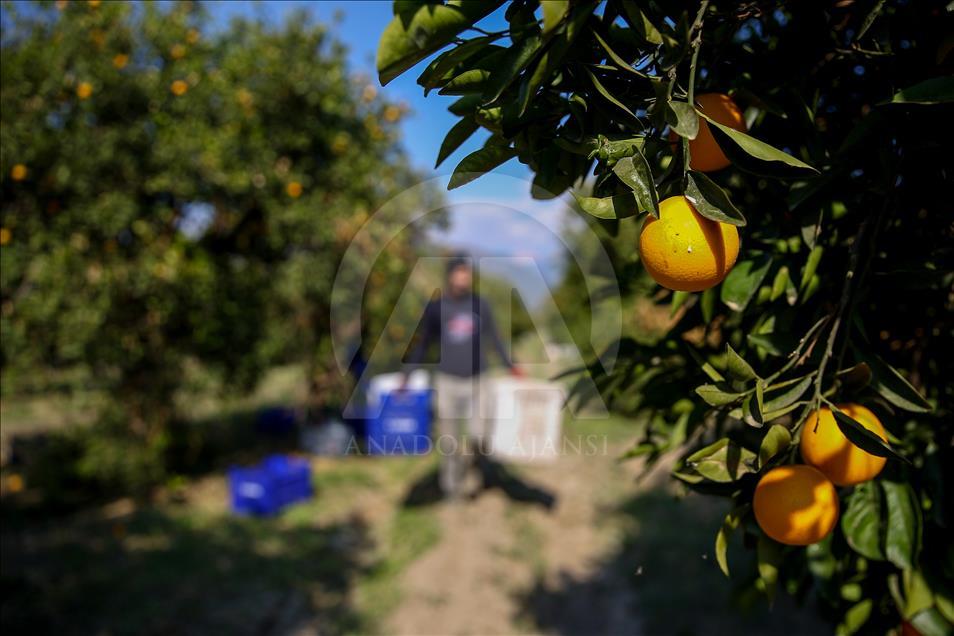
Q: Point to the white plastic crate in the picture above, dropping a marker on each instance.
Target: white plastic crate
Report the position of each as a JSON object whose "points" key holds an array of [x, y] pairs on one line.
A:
{"points": [[526, 418]]}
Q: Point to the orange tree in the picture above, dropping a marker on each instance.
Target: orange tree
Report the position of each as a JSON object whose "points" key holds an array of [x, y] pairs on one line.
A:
{"points": [[818, 134], [172, 194]]}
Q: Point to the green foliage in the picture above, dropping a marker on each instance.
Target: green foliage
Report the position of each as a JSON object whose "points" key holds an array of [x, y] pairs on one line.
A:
{"points": [[170, 196], [842, 289]]}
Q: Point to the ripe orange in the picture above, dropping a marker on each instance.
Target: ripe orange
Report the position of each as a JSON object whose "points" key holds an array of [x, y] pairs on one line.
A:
{"points": [[704, 152], [5, 235], [293, 189], [84, 90], [683, 250], [18, 172], [179, 88], [795, 505], [120, 60], [826, 448]]}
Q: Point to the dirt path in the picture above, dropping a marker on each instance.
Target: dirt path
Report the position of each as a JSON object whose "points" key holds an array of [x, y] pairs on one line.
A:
{"points": [[504, 567]]}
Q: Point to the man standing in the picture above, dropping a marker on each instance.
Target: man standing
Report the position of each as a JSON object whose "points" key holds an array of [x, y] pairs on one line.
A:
{"points": [[463, 324]]}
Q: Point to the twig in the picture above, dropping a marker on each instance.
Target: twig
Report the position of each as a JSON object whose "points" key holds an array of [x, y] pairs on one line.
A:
{"points": [[696, 37], [842, 306]]}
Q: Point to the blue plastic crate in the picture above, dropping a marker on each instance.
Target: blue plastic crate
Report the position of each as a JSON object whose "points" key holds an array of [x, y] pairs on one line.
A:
{"points": [[270, 486], [402, 425]]}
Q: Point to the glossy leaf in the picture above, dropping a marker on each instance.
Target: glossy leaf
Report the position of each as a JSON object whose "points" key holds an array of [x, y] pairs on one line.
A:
{"points": [[620, 206], [418, 32], [723, 462], [758, 149], [479, 162], [892, 386], [437, 71], [710, 200], [737, 367], [457, 135], [608, 95], [939, 90], [776, 440], [861, 437], [634, 171], [714, 396], [553, 13], [729, 525], [743, 281], [683, 119], [616, 59], [903, 532], [862, 522], [511, 64], [769, 555]]}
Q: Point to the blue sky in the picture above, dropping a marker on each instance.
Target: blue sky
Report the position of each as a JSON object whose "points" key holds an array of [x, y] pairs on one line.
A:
{"points": [[481, 221]]}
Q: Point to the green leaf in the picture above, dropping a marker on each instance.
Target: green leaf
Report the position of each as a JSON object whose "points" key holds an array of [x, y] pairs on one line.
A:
{"points": [[781, 282], [517, 58], [479, 162], [769, 555], [710, 200], [790, 396], [437, 71], [758, 149], [930, 622], [417, 32], [609, 96], [457, 135], [737, 366], [620, 206], [616, 59], [917, 593], [678, 300], [714, 396], [683, 119], [811, 265], [634, 171], [531, 82], [470, 81], [776, 440], [553, 13], [903, 533], [861, 522], [723, 462], [707, 302], [855, 618], [891, 385], [743, 281], [641, 24], [939, 90], [861, 437], [729, 525]]}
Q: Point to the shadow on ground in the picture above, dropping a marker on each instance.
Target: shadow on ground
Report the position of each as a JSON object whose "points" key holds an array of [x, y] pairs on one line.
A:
{"points": [[678, 589], [493, 475], [161, 572]]}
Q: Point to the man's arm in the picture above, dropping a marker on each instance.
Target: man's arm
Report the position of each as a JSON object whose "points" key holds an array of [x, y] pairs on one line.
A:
{"points": [[489, 327], [430, 329]]}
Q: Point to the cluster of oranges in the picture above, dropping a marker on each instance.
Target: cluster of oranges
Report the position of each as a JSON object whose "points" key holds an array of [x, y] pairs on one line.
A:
{"points": [[798, 504], [683, 250]]}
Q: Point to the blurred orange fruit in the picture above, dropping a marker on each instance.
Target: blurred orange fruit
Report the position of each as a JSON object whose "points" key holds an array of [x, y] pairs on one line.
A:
{"points": [[392, 114], [825, 447], [18, 172], [179, 87], [177, 52], [93, 3], [683, 250], [15, 483], [5, 236], [369, 93], [120, 60], [60, 4], [84, 90], [795, 505], [192, 36], [705, 153], [293, 189]]}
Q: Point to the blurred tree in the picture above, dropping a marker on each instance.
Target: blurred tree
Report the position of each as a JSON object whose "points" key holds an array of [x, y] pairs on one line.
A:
{"points": [[170, 195]]}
